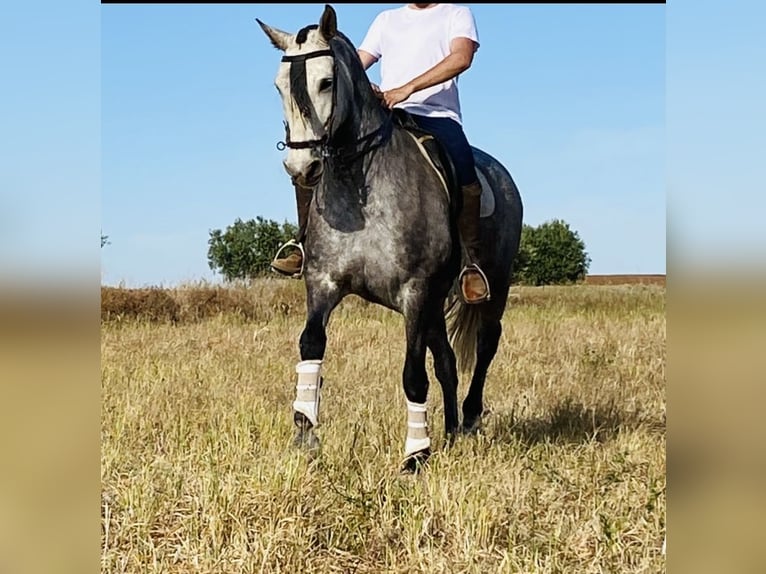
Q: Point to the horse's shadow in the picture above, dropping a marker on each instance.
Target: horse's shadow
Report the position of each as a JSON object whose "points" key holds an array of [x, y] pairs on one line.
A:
{"points": [[569, 422]]}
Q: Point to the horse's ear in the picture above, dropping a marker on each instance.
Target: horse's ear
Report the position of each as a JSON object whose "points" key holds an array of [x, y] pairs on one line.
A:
{"points": [[328, 23], [278, 38]]}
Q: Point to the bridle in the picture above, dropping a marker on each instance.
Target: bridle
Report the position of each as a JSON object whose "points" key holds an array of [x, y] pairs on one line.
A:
{"points": [[309, 144], [346, 153]]}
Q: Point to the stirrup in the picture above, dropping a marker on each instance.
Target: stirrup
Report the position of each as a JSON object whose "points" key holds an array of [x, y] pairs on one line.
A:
{"points": [[291, 243], [474, 267]]}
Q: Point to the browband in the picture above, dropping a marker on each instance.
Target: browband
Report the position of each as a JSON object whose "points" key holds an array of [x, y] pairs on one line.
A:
{"points": [[304, 57]]}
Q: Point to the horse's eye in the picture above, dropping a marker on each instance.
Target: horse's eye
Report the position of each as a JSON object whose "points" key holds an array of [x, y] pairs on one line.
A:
{"points": [[325, 84]]}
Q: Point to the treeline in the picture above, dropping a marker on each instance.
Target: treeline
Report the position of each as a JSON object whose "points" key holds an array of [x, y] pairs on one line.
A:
{"points": [[550, 254]]}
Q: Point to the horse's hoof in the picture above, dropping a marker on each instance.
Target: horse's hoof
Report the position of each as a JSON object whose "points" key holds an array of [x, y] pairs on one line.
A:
{"points": [[471, 428], [416, 462], [305, 437], [306, 440]]}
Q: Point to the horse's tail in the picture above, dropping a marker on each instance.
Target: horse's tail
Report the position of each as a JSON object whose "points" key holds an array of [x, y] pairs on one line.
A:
{"points": [[463, 323]]}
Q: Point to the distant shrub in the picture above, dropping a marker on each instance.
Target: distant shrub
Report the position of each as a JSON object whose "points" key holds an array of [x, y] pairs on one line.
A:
{"points": [[152, 304], [550, 254]]}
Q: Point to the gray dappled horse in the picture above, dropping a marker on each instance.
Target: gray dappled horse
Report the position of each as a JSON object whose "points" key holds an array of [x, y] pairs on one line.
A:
{"points": [[382, 226]]}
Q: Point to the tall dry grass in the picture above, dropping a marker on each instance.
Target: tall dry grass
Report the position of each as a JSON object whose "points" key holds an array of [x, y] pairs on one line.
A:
{"points": [[199, 475]]}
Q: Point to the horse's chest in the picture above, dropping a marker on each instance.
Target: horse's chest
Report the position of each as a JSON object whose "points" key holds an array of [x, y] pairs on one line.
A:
{"points": [[379, 239], [370, 247]]}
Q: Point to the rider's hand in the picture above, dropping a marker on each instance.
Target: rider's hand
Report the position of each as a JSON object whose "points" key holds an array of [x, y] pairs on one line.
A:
{"points": [[397, 95]]}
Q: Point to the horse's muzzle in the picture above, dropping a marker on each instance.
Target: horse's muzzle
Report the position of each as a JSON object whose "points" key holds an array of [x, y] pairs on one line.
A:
{"points": [[308, 176]]}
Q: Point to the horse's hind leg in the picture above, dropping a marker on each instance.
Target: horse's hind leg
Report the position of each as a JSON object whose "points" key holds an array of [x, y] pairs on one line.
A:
{"points": [[313, 342], [488, 339], [445, 369]]}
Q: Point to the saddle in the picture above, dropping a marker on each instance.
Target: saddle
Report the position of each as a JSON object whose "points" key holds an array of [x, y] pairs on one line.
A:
{"points": [[435, 152], [441, 161]]}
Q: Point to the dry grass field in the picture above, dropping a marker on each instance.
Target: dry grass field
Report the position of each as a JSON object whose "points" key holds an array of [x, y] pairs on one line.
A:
{"points": [[656, 279], [198, 472]]}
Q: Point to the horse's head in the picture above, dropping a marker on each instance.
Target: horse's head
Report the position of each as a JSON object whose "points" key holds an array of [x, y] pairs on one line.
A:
{"points": [[305, 82], [320, 80]]}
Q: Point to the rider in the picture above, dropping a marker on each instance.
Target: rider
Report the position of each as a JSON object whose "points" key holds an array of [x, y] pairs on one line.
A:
{"points": [[423, 49]]}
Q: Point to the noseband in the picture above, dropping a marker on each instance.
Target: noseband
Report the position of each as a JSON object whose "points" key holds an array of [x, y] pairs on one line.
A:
{"points": [[326, 149]]}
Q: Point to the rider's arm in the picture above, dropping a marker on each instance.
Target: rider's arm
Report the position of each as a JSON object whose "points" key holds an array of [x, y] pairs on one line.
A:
{"points": [[367, 58], [458, 61]]}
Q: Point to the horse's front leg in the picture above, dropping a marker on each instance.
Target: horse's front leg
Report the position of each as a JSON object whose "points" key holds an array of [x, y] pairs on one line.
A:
{"points": [[417, 447], [445, 368], [313, 342]]}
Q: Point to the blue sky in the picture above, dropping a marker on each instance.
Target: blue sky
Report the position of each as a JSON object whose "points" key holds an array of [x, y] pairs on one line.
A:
{"points": [[569, 97], [49, 140], [716, 145]]}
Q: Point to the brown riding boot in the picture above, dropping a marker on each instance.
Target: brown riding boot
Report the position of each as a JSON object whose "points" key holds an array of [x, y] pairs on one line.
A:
{"points": [[473, 283], [292, 265]]}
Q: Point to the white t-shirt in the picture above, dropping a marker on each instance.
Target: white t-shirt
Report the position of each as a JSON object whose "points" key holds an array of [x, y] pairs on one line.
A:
{"points": [[408, 42]]}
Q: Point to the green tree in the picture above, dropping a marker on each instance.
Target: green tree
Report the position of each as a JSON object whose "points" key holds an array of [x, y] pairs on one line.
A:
{"points": [[551, 254], [246, 248], [523, 256]]}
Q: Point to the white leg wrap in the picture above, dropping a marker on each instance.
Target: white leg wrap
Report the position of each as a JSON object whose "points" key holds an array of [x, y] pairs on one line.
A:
{"points": [[307, 390], [417, 429]]}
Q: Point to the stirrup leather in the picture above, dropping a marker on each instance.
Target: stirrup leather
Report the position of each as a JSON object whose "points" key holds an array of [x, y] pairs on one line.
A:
{"points": [[293, 243], [474, 267]]}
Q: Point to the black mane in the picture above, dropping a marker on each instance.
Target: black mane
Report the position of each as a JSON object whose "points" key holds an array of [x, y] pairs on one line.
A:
{"points": [[364, 112]]}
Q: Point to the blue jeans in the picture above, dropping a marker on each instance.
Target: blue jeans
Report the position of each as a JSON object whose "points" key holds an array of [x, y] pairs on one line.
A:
{"points": [[450, 134]]}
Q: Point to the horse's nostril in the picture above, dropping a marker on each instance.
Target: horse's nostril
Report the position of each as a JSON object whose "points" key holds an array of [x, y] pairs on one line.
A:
{"points": [[304, 172], [313, 171]]}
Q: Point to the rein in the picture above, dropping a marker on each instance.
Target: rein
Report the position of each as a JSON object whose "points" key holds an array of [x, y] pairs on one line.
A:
{"points": [[345, 153]]}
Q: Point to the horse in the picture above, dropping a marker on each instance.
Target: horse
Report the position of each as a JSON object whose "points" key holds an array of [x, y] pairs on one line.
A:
{"points": [[383, 226]]}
